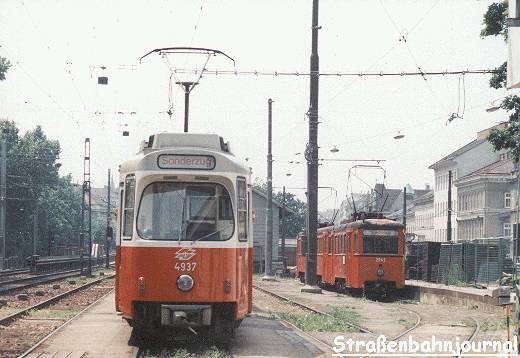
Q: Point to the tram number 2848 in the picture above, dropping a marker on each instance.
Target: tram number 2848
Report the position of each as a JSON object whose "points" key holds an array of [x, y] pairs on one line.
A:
{"points": [[185, 266]]}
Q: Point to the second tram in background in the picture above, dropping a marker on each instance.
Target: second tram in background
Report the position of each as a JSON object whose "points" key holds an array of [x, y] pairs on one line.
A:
{"points": [[366, 253]]}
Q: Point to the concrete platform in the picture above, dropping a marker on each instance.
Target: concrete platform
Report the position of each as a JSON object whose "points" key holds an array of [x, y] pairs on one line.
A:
{"points": [[100, 332], [439, 293]]}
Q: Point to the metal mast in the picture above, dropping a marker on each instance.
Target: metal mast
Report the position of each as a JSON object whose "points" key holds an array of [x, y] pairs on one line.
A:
{"points": [[269, 210], [311, 155], [109, 228], [86, 191], [3, 201]]}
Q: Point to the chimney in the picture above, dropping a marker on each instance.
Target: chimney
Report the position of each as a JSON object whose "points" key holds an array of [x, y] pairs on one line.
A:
{"points": [[427, 187]]}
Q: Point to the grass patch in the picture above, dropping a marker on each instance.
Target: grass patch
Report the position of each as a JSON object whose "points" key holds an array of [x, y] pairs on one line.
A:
{"points": [[212, 352], [499, 324], [6, 311], [313, 322], [48, 313]]}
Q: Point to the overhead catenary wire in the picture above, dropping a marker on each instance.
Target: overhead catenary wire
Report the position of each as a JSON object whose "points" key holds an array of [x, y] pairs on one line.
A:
{"points": [[275, 73]]}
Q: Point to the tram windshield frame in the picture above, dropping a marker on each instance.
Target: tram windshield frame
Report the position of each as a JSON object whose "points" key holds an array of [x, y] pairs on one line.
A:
{"points": [[180, 211]]}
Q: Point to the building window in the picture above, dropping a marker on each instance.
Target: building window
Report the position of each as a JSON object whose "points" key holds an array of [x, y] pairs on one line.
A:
{"points": [[507, 200], [507, 229]]}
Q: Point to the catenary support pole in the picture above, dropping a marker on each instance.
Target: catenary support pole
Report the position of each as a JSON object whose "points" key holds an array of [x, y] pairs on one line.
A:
{"points": [[284, 261], [404, 209], [89, 229], [109, 228], [269, 207], [3, 202], [311, 155], [35, 231], [448, 224]]}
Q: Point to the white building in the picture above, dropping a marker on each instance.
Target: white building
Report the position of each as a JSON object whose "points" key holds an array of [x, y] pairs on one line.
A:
{"points": [[422, 224], [471, 157], [513, 41]]}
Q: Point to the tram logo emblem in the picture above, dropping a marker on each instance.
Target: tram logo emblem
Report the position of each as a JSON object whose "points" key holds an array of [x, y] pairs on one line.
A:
{"points": [[185, 254]]}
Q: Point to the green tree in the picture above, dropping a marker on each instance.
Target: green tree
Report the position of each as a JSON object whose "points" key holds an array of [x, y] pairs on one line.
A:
{"points": [[4, 66], [35, 186], [494, 24], [295, 218]]}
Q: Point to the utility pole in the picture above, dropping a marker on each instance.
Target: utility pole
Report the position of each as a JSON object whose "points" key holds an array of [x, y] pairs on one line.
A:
{"points": [[448, 232], [35, 231], [109, 228], [3, 201], [269, 211], [404, 209], [284, 262], [311, 155], [188, 86], [86, 191], [516, 284], [448, 229]]}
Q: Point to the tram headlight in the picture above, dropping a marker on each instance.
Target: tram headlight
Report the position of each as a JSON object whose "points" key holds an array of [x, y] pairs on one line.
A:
{"points": [[380, 271], [185, 283]]}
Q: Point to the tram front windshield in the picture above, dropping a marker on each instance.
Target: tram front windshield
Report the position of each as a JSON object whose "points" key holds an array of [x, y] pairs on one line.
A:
{"points": [[185, 211]]}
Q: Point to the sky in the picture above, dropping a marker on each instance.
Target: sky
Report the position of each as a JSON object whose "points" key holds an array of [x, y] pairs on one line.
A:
{"points": [[58, 49]]}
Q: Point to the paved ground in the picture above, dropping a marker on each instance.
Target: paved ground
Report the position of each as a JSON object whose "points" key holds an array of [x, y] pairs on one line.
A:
{"points": [[100, 332]]}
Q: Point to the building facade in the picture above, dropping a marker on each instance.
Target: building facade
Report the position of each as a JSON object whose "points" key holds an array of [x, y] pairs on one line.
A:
{"points": [[422, 224], [486, 201], [473, 156], [260, 229]]}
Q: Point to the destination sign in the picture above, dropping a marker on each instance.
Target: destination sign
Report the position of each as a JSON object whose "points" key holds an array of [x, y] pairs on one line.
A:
{"points": [[181, 161], [385, 233]]}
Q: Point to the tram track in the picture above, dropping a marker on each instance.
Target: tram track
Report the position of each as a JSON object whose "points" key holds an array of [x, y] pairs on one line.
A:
{"points": [[65, 323], [416, 324], [9, 286], [309, 308], [21, 283], [10, 318]]}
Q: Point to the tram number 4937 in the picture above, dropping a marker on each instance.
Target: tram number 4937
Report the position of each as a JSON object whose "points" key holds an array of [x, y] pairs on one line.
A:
{"points": [[185, 266]]}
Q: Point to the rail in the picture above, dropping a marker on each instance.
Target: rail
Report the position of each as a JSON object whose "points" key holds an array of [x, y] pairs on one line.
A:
{"points": [[309, 308]]}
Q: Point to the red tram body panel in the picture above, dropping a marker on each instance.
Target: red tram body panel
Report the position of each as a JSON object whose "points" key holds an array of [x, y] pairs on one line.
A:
{"points": [[362, 254]]}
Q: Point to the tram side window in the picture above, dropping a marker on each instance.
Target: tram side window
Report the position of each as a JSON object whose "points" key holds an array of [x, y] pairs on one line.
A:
{"points": [[128, 214], [242, 209], [356, 247]]}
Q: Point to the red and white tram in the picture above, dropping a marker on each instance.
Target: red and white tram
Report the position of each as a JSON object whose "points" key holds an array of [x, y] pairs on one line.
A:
{"points": [[184, 246]]}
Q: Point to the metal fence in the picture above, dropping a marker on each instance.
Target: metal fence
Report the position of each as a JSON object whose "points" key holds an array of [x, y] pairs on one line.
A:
{"points": [[478, 261]]}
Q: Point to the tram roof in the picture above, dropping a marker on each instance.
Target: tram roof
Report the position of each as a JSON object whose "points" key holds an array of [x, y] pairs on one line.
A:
{"points": [[367, 223], [185, 143]]}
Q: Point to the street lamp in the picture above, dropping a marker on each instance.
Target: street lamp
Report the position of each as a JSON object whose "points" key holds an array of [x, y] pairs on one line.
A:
{"points": [[334, 149], [399, 135]]}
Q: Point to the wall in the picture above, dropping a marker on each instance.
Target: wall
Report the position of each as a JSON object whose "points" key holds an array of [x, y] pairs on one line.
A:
{"points": [[259, 230]]}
